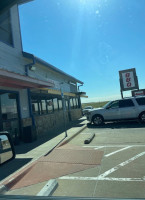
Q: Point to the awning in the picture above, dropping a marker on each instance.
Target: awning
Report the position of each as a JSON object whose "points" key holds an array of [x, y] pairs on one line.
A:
{"points": [[58, 92], [84, 96], [11, 79]]}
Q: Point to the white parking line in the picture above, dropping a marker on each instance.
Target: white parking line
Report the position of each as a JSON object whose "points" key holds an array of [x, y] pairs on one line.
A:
{"points": [[99, 147], [100, 179], [103, 177], [86, 133], [110, 171], [114, 152], [116, 146]]}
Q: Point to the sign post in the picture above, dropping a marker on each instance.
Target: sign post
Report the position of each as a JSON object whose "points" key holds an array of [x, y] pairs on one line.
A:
{"points": [[64, 110], [128, 80], [121, 94]]}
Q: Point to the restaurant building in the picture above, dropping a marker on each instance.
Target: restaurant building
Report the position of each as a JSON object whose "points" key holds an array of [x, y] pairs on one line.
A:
{"points": [[32, 90]]}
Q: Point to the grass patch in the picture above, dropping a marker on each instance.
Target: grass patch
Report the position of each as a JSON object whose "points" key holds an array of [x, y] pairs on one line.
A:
{"points": [[94, 104]]}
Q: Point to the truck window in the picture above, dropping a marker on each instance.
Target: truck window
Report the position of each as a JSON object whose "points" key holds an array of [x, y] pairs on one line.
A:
{"points": [[140, 101], [126, 103]]}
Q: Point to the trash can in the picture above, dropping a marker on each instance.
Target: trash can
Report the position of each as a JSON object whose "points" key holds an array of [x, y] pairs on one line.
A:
{"points": [[29, 134]]}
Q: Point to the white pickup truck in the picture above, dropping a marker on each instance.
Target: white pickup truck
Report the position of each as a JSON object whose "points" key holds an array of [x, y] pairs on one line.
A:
{"points": [[123, 109]]}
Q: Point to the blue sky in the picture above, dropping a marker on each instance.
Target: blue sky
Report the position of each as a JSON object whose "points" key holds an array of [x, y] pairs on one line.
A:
{"points": [[90, 39]]}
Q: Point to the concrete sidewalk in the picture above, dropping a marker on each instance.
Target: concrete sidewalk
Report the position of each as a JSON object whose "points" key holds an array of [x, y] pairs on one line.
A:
{"points": [[27, 153]]}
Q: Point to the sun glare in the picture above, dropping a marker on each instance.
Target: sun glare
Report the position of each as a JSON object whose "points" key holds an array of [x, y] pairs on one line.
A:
{"points": [[88, 1], [91, 4]]}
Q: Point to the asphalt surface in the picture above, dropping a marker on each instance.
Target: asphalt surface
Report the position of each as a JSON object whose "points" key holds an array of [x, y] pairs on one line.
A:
{"points": [[121, 173], [28, 152]]}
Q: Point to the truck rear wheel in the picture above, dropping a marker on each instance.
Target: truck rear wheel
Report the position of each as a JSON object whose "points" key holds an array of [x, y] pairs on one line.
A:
{"points": [[142, 117], [98, 120]]}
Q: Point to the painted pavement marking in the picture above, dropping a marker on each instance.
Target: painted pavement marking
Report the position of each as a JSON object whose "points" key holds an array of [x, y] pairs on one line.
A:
{"points": [[101, 179], [110, 171], [99, 147], [115, 146], [86, 133], [114, 152]]}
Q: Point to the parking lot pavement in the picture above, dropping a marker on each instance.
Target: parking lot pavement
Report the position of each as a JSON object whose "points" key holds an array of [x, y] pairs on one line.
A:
{"points": [[121, 173], [28, 153]]}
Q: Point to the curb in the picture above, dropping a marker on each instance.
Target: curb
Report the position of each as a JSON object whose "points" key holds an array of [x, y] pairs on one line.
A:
{"points": [[3, 189], [49, 188], [71, 137], [12, 180], [7, 185]]}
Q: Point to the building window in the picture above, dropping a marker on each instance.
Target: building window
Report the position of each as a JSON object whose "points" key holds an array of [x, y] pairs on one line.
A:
{"points": [[55, 104], [35, 107], [71, 103], [8, 106], [60, 104], [5, 28], [74, 101], [9, 115], [77, 103], [40, 107], [43, 106], [49, 106], [66, 103]]}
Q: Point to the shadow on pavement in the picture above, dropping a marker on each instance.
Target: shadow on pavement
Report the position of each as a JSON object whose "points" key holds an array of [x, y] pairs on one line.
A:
{"points": [[23, 148], [119, 125], [12, 166], [78, 123]]}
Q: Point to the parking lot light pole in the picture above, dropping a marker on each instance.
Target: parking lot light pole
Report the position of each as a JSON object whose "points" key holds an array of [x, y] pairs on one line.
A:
{"points": [[64, 108]]}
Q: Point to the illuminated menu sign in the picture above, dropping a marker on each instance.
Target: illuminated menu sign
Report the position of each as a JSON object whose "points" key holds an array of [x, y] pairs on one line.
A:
{"points": [[128, 79]]}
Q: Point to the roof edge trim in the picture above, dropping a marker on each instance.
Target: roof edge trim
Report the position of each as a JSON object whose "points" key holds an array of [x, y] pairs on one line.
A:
{"points": [[20, 2], [40, 61]]}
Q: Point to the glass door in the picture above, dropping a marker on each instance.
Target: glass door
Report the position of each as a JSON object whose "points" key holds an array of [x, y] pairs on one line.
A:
{"points": [[9, 114]]}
